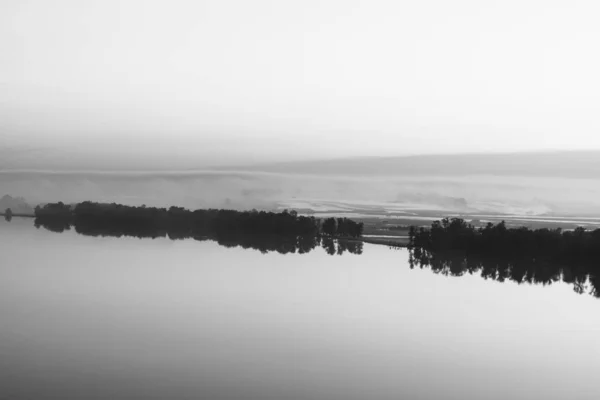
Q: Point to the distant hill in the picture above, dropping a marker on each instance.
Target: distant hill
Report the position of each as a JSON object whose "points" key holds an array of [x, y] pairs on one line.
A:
{"points": [[18, 205], [563, 164]]}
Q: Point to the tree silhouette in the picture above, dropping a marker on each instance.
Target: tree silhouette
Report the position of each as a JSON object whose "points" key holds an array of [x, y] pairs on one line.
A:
{"points": [[284, 232], [520, 254]]}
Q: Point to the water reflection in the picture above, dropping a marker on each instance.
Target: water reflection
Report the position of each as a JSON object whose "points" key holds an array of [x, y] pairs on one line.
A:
{"points": [[519, 271], [53, 225], [450, 264], [282, 244], [87, 318]]}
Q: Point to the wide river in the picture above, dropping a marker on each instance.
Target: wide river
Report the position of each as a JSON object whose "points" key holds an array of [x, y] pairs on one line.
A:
{"points": [[125, 318]]}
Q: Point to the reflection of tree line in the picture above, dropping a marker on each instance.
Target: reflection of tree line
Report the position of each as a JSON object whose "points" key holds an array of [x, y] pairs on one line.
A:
{"points": [[284, 232], [541, 256], [519, 271], [339, 246], [283, 244], [450, 246]]}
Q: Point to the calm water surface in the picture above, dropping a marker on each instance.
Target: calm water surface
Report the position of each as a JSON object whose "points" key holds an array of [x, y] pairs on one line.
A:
{"points": [[108, 318]]}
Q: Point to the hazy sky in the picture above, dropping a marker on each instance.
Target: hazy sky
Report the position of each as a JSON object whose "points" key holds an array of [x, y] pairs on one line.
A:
{"points": [[184, 83]]}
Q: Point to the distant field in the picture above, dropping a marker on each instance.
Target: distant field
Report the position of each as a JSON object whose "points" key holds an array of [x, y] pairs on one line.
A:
{"points": [[382, 199], [392, 220]]}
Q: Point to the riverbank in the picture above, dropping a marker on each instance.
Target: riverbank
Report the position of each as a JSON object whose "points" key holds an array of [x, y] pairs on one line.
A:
{"points": [[387, 241]]}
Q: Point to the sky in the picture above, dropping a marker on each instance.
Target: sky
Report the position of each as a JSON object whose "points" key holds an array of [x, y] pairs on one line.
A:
{"points": [[178, 84]]}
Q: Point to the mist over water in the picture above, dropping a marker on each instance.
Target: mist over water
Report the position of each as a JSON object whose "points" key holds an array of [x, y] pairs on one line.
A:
{"points": [[122, 318]]}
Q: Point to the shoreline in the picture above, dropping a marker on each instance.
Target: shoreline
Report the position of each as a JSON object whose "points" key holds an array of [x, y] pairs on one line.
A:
{"points": [[400, 242]]}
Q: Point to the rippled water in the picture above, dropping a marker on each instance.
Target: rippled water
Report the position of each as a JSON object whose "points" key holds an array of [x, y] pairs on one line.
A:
{"points": [[125, 318]]}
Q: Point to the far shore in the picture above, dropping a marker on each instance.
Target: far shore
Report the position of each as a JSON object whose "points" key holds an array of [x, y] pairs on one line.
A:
{"points": [[19, 215]]}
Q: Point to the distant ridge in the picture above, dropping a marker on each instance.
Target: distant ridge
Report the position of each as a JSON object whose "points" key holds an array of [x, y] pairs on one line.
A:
{"points": [[555, 164], [565, 164]]}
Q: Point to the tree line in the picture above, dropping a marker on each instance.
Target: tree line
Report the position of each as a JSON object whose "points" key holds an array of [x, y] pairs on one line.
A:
{"points": [[181, 221], [342, 227], [284, 231], [545, 253], [549, 245]]}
